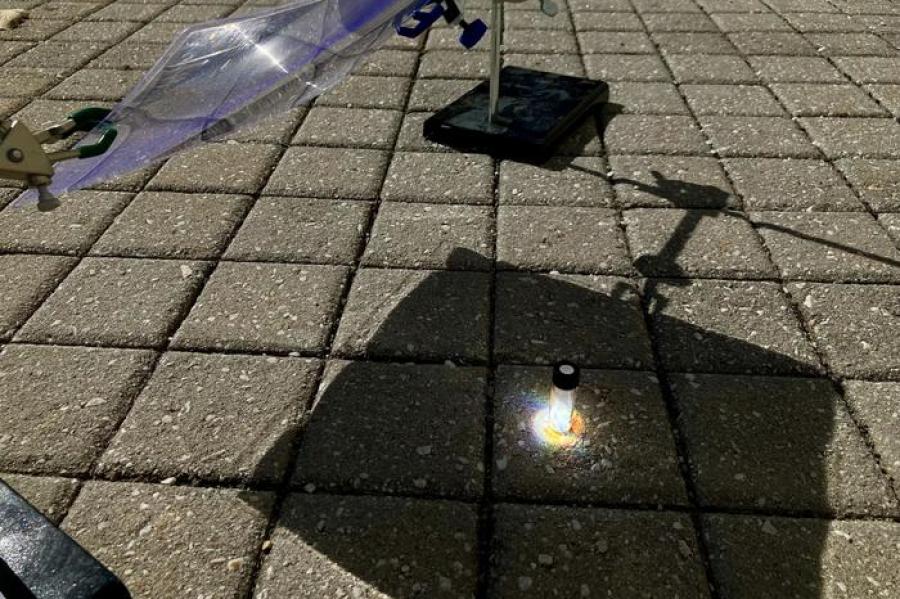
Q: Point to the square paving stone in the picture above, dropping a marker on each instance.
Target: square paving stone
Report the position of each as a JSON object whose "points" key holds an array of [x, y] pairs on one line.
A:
{"points": [[693, 43], [875, 405], [737, 100], [646, 98], [434, 94], [615, 42], [753, 556], [703, 68], [329, 173], [388, 62], [746, 450], [35, 30], [785, 43], [107, 31], [851, 44], [215, 418], [360, 91], [60, 405], [676, 182], [453, 64], [427, 235], [651, 134], [95, 84], [63, 55], [591, 320], [607, 21], [801, 69], [50, 495], [116, 301], [854, 325], [790, 185], [808, 22], [626, 67], [704, 243], [185, 13], [276, 129], [855, 137], [836, 247], [412, 138], [301, 230], [333, 546], [876, 181], [25, 282], [757, 136], [869, 69], [750, 22], [174, 225], [727, 326], [440, 178], [560, 181], [27, 82], [624, 454], [350, 128], [70, 229], [172, 541], [679, 22], [557, 551], [417, 314], [391, 428], [567, 239], [218, 168], [548, 42], [260, 306]]}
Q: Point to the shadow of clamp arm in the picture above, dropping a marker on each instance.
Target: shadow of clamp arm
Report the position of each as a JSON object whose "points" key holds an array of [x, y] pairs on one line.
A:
{"points": [[23, 158]]}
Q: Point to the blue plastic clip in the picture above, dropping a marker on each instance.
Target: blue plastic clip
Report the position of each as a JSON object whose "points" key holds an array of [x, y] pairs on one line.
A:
{"points": [[472, 33], [424, 19]]}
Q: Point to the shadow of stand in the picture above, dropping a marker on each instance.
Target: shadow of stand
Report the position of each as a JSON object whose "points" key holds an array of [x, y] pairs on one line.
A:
{"points": [[388, 483]]}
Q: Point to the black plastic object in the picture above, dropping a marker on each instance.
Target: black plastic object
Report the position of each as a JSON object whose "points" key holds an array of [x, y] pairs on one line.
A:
{"points": [[39, 561], [536, 110], [565, 376]]}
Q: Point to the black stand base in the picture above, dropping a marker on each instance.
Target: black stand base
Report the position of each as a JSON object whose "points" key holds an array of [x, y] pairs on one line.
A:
{"points": [[536, 110]]}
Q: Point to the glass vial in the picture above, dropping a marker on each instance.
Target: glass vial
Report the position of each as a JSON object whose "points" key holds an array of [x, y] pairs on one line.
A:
{"points": [[562, 396]]}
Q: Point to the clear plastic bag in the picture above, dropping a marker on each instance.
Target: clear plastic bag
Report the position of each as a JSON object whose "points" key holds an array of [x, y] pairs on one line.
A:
{"points": [[221, 76]]}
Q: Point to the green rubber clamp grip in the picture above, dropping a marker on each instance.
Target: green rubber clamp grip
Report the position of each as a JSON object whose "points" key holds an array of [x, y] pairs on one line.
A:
{"points": [[106, 141]]}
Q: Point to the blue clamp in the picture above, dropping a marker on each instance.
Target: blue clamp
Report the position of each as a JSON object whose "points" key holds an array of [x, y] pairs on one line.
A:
{"points": [[472, 33], [424, 19]]}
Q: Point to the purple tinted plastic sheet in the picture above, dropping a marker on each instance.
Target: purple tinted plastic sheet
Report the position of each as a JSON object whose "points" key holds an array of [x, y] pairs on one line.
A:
{"points": [[219, 77]]}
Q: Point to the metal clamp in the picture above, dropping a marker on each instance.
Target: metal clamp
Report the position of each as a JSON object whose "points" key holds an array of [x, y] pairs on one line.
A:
{"points": [[22, 157]]}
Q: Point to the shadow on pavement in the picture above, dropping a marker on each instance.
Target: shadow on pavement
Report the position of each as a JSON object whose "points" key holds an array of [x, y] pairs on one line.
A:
{"points": [[755, 448]]}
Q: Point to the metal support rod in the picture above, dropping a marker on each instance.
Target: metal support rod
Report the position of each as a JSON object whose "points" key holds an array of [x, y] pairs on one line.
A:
{"points": [[496, 56]]}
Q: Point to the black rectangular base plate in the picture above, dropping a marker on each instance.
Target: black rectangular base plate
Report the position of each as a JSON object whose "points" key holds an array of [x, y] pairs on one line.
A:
{"points": [[536, 110]]}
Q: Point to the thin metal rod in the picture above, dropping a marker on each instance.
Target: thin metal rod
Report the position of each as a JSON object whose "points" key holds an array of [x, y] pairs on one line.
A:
{"points": [[496, 55]]}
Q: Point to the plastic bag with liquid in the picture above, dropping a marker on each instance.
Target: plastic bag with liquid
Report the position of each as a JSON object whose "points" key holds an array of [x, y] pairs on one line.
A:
{"points": [[221, 76]]}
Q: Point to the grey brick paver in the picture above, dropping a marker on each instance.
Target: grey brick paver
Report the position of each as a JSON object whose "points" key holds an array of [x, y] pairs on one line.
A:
{"points": [[301, 230], [728, 326], [561, 238], [261, 306], [626, 454], [325, 545], [705, 243], [396, 428], [61, 405], [51, 495], [754, 556], [579, 552], [174, 225], [172, 540], [745, 450], [828, 246], [116, 301], [214, 418], [427, 236], [26, 281], [790, 185], [854, 325]]}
